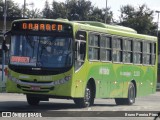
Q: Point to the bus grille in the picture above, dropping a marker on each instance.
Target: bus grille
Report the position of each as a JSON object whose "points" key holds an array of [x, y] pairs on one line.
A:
{"points": [[29, 89]]}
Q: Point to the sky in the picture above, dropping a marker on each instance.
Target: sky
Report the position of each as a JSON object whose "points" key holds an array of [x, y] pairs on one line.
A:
{"points": [[114, 5]]}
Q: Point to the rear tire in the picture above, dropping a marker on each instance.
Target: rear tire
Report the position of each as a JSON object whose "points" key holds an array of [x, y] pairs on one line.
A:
{"points": [[131, 96], [32, 100], [88, 99]]}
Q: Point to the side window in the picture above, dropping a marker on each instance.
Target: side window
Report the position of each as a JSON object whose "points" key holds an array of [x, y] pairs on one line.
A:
{"points": [[80, 48], [137, 52], [94, 47], [127, 51], [117, 50], [105, 48], [153, 53], [147, 53]]}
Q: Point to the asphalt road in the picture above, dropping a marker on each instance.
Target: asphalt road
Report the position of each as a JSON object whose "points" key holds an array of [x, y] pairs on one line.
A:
{"points": [[17, 103]]}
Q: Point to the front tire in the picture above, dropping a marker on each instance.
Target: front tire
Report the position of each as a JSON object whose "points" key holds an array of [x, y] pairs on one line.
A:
{"points": [[131, 96], [32, 100], [88, 99]]}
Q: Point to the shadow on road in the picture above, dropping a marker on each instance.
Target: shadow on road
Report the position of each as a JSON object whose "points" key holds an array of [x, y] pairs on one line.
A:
{"points": [[15, 106]]}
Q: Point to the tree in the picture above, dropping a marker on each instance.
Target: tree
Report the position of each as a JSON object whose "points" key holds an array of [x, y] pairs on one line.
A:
{"points": [[59, 10], [1, 7], [34, 13], [31, 13], [84, 10], [47, 10], [140, 19], [13, 9], [76, 10], [99, 15]]}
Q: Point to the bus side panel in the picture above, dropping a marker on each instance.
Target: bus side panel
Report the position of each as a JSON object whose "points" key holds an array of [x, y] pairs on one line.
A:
{"points": [[94, 73], [143, 77], [126, 75], [80, 81], [108, 75], [146, 85], [116, 84]]}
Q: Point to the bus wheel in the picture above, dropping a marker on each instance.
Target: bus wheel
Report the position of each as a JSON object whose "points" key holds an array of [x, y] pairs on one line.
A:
{"points": [[32, 100], [88, 99], [131, 96]]}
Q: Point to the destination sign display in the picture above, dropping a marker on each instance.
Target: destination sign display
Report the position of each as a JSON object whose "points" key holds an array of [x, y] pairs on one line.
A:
{"points": [[41, 26], [20, 59]]}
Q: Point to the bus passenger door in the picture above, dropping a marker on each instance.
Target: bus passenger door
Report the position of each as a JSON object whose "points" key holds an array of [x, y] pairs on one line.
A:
{"points": [[80, 66]]}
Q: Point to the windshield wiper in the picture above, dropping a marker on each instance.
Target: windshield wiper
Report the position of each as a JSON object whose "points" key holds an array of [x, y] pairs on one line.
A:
{"points": [[31, 43]]}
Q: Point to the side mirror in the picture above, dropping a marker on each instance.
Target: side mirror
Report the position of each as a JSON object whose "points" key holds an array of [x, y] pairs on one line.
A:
{"points": [[7, 33], [4, 46]]}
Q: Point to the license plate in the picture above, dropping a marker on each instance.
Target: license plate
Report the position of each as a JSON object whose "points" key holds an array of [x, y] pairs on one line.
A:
{"points": [[35, 88]]}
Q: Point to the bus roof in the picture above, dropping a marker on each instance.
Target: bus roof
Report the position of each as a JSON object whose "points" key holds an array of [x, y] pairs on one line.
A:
{"points": [[114, 30], [100, 27], [103, 25]]}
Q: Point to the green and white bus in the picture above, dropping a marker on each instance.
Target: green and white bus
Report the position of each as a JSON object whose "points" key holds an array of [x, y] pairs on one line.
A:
{"points": [[80, 60]]}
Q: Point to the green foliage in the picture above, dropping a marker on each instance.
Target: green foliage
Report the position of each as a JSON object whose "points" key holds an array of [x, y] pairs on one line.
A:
{"points": [[140, 19], [47, 10], [13, 9], [99, 15], [59, 10], [76, 10], [35, 13]]}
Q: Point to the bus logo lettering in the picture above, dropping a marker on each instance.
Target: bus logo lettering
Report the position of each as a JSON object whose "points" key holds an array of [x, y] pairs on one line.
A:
{"points": [[53, 27], [104, 71], [30, 26], [42, 27], [24, 26], [59, 27], [48, 27], [36, 27]]}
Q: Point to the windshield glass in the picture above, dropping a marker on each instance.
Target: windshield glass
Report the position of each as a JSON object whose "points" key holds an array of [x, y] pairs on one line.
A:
{"points": [[41, 51]]}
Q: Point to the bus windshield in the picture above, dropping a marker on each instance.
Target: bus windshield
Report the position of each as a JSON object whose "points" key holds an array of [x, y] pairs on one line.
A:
{"points": [[41, 51]]}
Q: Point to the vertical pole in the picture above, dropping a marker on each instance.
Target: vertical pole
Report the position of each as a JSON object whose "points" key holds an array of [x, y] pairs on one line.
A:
{"points": [[4, 31], [106, 13], [158, 22], [158, 81], [32, 4], [5, 15], [24, 8], [158, 27]]}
